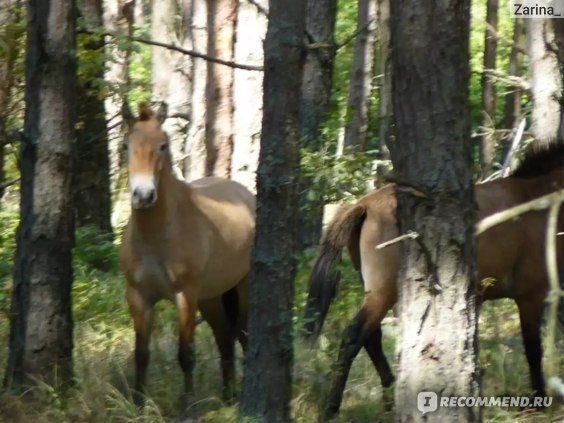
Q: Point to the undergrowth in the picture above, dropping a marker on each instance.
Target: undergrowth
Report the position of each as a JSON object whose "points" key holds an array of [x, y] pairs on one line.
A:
{"points": [[104, 362]]}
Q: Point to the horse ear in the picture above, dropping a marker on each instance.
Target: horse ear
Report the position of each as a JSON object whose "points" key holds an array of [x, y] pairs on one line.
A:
{"points": [[127, 114], [162, 112], [145, 112]]}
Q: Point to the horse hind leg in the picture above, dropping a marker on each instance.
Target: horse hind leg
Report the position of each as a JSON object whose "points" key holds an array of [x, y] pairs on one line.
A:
{"points": [[530, 314], [142, 313], [186, 305]]}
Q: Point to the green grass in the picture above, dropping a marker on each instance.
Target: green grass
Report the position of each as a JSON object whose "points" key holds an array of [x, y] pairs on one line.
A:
{"points": [[104, 362]]}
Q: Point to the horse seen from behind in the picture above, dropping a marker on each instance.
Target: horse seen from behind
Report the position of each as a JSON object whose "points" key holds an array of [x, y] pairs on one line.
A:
{"points": [[511, 264]]}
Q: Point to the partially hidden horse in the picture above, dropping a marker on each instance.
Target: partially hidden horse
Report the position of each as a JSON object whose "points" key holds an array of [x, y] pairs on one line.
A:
{"points": [[187, 243], [510, 256]]}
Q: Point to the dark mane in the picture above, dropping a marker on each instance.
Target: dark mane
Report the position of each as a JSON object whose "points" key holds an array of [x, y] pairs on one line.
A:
{"points": [[540, 161]]}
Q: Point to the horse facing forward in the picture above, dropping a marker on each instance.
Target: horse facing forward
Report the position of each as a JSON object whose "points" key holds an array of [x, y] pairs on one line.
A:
{"points": [[187, 243], [511, 264]]}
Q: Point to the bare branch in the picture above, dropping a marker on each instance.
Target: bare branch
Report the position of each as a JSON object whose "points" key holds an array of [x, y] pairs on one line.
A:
{"points": [[353, 35], [7, 184], [408, 235], [514, 144], [540, 203], [493, 33], [191, 53], [508, 80]]}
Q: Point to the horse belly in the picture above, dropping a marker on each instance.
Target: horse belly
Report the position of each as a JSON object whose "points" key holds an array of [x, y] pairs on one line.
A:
{"points": [[221, 277]]}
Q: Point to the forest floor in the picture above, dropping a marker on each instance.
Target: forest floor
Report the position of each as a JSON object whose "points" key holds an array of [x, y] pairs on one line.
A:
{"points": [[104, 362]]}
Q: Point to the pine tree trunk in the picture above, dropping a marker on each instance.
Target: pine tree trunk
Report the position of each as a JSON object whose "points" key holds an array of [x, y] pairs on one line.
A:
{"points": [[219, 89], [9, 15], [430, 59], [356, 130], [247, 93], [170, 73], [41, 329], [559, 35], [512, 106], [267, 382], [385, 108], [545, 80], [92, 197], [488, 141], [316, 97], [195, 163]]}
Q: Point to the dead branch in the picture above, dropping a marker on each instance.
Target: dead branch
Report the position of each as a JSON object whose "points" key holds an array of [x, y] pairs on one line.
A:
{"points": [[7, 184], [408, 235], [493, 33], [537, 204], [514, 144], [181, 50], [353, 35], [508, 80]]}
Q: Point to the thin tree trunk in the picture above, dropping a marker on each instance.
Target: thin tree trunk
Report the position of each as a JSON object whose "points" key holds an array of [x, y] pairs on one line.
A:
{"points": [[41, 329], [559, 35], [512, 106], [267, 383], [362, 75], [170, 73], [488, 141], [92, 197], [385, 108], [316, 97], [545, 80], [247, 93], [219, 89], [195, 163], [9, 15], [430, 59]]}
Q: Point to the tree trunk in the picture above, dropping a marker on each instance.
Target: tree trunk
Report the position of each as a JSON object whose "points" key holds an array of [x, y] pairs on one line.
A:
{"points": [[512, 106], [430, 59], [559, 35], [195, 163], [41, 320], [219, 89], [9, 16], [316, 97], [267, 383], [170, 73], [545, 80], [247, 93], [362, 75], [92, 197], [488, 141], [118, 18], [385, 108]]}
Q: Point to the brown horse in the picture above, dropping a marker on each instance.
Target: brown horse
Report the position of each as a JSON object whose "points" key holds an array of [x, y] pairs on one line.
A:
{"points": [[511, 264], [187, 243]]}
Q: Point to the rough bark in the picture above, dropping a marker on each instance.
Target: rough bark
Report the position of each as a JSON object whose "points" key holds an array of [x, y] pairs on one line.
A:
{"points": [[362, 75], [195, 163], [488, 141], [247, 93], [41, 321], [545, 80], [430, 60], [512, 106], [9, 39], [267, 383], [385, 108], [316, 97], [92, 197], [219, 88], [170, 73]]}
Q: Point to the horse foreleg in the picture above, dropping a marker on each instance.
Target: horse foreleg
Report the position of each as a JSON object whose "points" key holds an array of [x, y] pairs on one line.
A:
{"points": [[530, 314], [141, 312], [186, 304]]}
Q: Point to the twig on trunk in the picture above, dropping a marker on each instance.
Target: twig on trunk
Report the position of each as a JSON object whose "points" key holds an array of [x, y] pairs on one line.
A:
{"points": [[408, 235]]}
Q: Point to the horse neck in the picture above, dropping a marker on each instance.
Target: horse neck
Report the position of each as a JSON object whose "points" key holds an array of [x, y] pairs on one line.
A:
{"points": [[152, 222], [546, 184]]}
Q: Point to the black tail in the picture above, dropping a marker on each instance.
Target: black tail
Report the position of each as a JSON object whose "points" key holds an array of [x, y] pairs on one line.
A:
{"points": [[324, 280]]}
